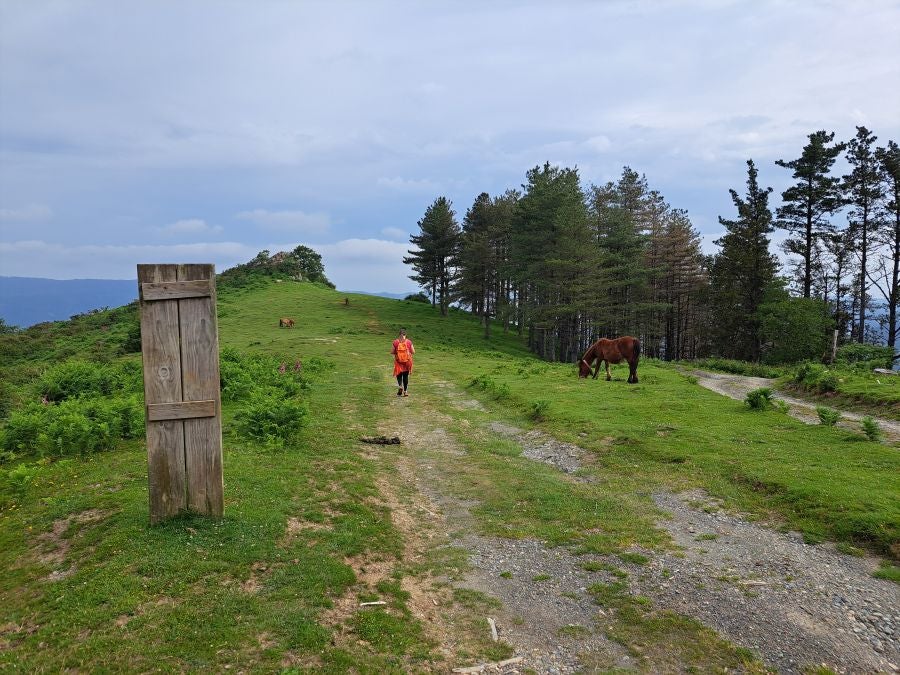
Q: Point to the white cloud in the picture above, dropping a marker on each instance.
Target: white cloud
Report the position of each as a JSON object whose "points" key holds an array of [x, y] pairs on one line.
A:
{"points": [[367, 264], [34, 258], [352, 264], [190, 226], [408, 184], [395, 233], [598, 143], [296, 222], [26, 214]]}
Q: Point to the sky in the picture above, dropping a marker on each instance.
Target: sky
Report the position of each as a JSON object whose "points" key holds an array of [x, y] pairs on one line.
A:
{"points": [[199, 131]]}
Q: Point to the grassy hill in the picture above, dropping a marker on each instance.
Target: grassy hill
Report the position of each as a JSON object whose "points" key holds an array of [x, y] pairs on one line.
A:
{"points": [[89, 585]]}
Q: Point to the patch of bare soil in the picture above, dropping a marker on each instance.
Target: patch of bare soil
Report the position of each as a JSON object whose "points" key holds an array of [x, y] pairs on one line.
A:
{"points": [[53, 547], [737, 387], [793, 604]]}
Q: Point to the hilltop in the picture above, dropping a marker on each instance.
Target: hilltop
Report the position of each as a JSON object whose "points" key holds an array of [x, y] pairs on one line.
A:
{"points": [[518, 492]]}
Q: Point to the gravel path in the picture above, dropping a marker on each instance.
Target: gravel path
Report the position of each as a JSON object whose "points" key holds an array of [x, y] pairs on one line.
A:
{"points": [[792, 604], [737, 386]]}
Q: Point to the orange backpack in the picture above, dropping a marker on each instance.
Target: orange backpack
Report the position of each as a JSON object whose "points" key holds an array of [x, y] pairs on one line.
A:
{"points": [[402, 352]]}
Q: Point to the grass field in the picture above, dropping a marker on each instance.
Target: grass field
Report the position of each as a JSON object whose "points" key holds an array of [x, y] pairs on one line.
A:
{"points": [[260, 588]]}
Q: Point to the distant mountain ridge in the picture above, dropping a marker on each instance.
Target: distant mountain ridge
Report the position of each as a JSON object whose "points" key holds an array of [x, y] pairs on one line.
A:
{"points": [[25, 301]]}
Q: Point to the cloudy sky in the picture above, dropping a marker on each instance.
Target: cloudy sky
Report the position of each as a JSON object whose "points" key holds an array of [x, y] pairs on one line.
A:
{"points": [[207, 131]]}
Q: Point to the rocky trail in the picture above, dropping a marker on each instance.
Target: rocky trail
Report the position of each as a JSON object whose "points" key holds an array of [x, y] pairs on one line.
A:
{"points": [[795, 606], [737, 387]]}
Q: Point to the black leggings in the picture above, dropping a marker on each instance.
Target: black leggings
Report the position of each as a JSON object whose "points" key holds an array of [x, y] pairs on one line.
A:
{"points": [[403, 380]]}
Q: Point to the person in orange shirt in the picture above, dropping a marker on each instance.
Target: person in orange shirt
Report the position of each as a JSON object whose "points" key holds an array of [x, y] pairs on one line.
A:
{"points": [[403, 350]]}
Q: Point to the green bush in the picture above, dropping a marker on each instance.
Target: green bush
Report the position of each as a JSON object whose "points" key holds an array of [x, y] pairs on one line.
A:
{"points": [[794, 329], [739, 367], [759, 399], [418, 297], [488, 385], [74, 426], [74, 378], [871, 429], [816, 376], [270, 418], [872, 356], [539, 409], [827, 416], [241, 374]]}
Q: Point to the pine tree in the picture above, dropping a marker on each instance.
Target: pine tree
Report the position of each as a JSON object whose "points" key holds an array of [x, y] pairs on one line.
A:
{"points": [[889, 158], [743, 271], [433, 259], [863, 189], [810, 201], [476, 263]]}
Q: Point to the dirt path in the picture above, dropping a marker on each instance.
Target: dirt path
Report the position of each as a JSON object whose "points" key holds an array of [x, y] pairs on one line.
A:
{"points": [[737, 387], [795, 606]]}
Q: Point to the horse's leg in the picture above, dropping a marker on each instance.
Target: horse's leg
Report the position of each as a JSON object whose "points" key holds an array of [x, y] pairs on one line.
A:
{"points": [[597, 368], [632, 375], [608, 374]]}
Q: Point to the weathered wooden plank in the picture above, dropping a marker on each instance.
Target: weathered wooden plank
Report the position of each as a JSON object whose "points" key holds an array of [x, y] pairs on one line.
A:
{"points": [[185, 410], [162, 384], [175, 290], [200, 365]]}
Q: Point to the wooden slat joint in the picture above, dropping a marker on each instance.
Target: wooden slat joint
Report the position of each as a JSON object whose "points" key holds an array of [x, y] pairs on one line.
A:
{"points": [[175, 290], [183, 410]]}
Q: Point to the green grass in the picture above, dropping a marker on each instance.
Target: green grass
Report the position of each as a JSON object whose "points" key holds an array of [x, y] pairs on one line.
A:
{"points": [[877, 394], [195, 594]]}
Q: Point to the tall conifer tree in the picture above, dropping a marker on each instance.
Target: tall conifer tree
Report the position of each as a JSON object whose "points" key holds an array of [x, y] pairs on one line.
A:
{"points": [[743, 271], [435, 252], [889, 158], [810, 201], [863, 189]]}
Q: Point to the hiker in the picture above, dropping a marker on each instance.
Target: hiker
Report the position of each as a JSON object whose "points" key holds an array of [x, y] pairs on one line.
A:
{"points": [[402, 350]]}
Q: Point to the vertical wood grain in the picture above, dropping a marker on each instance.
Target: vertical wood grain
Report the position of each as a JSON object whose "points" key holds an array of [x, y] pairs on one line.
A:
{"points": [[200, 381], [160, 350]]}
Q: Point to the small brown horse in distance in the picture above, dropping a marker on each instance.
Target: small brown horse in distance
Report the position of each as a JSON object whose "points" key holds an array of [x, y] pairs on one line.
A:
{"points": [[285, 323], [625, 348]]}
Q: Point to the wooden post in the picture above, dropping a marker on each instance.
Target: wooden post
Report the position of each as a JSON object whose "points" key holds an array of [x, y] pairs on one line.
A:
{"points": [[834, 346], [180, 347]]}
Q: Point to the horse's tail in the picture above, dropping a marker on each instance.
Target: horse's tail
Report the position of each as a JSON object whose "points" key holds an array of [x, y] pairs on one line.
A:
{"points": [[637, 349]]}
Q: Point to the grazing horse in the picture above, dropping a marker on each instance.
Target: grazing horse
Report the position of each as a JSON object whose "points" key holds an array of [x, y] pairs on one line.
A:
{"points": [[625, 348], [285, 323]]}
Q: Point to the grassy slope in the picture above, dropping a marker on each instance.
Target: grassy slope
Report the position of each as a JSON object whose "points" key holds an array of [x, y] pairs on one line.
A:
{"points": [[176, 589]]}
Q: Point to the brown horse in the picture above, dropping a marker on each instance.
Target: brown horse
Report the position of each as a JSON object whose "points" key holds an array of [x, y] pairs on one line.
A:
{"points": [[625, 348], [285, 323]]}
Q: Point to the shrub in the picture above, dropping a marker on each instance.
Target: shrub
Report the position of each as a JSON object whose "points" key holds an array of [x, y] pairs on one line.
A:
{"points": [[816, 376], [739, 367], [74, 426], [70, 379], [759, 399], [878, 356], [488, 385], [539, 409], [871, 429], [270, 418], [418, 297], [827, 416]]}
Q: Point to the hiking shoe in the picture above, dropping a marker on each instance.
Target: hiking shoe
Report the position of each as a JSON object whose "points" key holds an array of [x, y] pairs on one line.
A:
{"points": [[400, 391], [406, 393]]}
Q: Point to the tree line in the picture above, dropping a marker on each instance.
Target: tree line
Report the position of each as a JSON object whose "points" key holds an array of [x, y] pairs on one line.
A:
{"points": [[563, 264]]}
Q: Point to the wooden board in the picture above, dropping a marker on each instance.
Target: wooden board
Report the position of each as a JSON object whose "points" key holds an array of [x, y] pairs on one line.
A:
{"points": [[185, 410], [200, 365], [174, 290], [162, 384], [179, 338]]}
